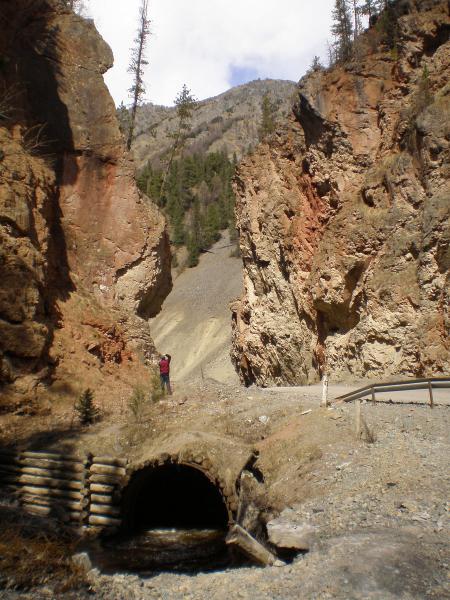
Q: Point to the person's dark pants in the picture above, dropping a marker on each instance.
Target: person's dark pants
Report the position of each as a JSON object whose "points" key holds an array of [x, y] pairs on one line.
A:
{"points": [[165, 382]]}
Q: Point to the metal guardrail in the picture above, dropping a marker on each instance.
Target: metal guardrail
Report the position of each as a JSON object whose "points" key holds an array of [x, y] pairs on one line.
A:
{"points": [[395, 386]]}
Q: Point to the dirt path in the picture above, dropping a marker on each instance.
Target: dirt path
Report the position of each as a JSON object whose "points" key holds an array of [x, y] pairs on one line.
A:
{"points": [[194, 326]]}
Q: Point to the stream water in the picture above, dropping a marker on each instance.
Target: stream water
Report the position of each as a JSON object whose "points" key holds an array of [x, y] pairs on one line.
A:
{"points": [[181, 550]]}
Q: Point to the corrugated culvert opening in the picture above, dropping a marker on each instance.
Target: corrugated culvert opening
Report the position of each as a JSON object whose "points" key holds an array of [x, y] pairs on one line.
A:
{"points": [[174, 518]]}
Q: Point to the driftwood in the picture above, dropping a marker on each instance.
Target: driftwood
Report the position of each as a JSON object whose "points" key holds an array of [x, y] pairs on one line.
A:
{"points": [[242, 540]]}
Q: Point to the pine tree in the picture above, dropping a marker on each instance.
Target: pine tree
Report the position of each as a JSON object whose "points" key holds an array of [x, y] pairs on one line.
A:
{"points": [[136, 67], [316, 64], [368, 8], [356, 20], [85, 407], [342, 30], [268, 117], [123, 116], [186, 103]]}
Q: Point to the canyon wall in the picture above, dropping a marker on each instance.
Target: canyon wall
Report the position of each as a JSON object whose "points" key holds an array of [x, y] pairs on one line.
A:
{"points": [[344, 218], [84, 257]]}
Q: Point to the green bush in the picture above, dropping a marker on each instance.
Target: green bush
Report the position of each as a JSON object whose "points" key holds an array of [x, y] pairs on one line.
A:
{"points": [[85, 407]]}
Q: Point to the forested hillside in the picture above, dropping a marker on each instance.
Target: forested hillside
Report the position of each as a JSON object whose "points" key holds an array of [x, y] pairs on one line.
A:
{"points": [[187, 159], [197, 198]]}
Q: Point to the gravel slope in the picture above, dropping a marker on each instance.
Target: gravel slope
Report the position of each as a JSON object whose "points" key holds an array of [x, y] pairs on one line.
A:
{"points": [[194, 325]]}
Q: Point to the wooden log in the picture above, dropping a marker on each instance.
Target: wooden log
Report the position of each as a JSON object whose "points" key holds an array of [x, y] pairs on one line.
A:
{"points": [[101, 488], [108, 479], [49, 482], [103, 509], [104, 521], [242, 540], [50, 492], [47, 511], [54, 456], [108, 470], [45, 463], [46, 501], [108, 460], [102, 499], [26, 470]]}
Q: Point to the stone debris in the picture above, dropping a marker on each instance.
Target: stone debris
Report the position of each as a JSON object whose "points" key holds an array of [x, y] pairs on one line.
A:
{"points": [[289, 535]]}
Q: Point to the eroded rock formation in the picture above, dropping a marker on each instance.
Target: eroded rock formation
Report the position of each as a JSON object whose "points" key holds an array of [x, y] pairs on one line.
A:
{"points": [[344, 219], [84, 258]]}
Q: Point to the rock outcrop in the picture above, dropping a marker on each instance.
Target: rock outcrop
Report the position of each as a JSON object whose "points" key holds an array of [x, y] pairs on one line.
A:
{"points": [[344, 218], [84, 258]]}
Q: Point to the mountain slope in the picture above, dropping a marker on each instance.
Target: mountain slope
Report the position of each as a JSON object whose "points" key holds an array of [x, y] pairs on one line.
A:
{"points": [[194, 326], [230, 120]]}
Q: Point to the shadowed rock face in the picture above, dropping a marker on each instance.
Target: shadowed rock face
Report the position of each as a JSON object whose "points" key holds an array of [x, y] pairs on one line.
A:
{"points": [[84, 257], [344, 220]]}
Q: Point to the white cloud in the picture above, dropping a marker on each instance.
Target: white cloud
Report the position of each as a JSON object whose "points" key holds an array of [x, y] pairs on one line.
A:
{"points": [[197, 42]]}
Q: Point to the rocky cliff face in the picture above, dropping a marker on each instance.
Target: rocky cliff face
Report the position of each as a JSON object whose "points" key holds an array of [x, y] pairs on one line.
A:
{"points": [[84, 258], [344, 219]]}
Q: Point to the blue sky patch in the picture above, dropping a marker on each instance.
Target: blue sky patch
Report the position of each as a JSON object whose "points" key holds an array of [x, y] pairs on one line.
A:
{"points": [[240, 75]]}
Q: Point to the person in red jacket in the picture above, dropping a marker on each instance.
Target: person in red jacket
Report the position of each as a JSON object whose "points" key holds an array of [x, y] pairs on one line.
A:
{"points": [[164, 373]]}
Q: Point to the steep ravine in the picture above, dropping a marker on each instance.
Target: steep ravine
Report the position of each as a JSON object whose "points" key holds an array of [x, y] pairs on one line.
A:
{"points": [[344, 219], [84, 257]]}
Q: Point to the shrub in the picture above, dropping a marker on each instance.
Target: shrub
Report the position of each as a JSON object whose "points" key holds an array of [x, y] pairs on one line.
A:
{"points": [[85, 407], [136, 404], [156, 392]]}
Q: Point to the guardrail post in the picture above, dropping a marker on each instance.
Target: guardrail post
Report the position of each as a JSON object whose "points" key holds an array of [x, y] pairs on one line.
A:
{"points": [[430, 389], [324, 391], [358, 419], [373, 394]]}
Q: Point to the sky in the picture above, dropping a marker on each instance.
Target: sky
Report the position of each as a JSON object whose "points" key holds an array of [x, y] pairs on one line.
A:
{"points": [[212, 45]]}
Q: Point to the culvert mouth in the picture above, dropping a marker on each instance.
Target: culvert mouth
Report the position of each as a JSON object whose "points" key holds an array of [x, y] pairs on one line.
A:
{"points": [[174, 518], [173, 496]]}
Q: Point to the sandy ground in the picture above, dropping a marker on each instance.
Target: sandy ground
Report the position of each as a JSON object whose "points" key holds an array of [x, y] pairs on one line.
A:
{"points": [[194, 326]]}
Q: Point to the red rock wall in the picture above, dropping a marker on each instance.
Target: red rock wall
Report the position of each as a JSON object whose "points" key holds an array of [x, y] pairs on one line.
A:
{"points": [[84, 257], [344, 220]]}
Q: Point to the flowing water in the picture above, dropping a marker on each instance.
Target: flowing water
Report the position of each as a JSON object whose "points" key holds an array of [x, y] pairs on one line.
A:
{"points": [[162, 549]]}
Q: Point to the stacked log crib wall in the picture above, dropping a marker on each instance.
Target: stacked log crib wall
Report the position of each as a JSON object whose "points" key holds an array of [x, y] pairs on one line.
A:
{"points": [[81, 491]]}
